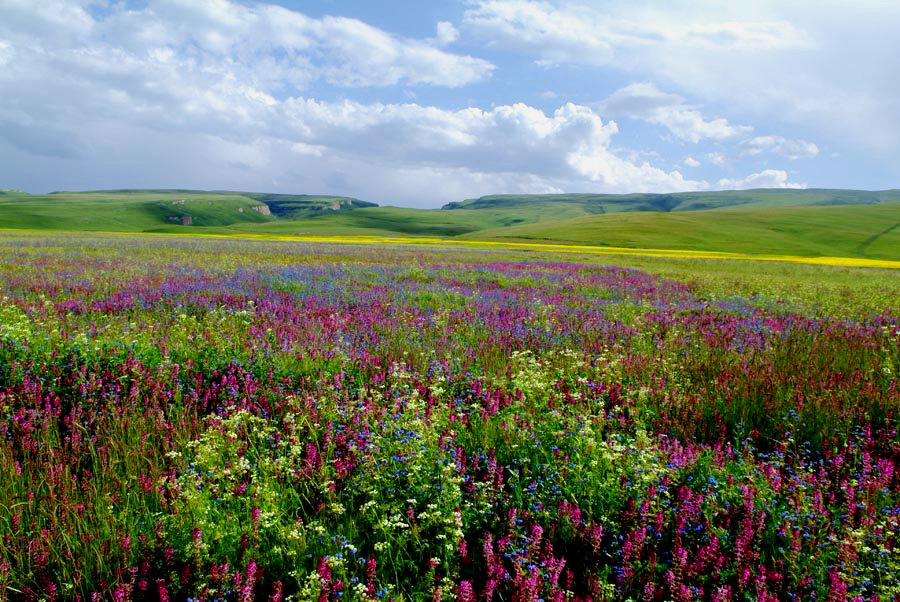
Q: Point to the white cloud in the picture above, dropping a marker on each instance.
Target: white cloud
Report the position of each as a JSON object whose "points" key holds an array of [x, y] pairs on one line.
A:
{"points": [[769, 60], [446, 33], [234, 84], [580, 33], [377, 58], [768, 178], [6, 52], [717, 158], [60, 19], [571, 145], [210, 74], [266, 44], [646, 102], [790, 149]]}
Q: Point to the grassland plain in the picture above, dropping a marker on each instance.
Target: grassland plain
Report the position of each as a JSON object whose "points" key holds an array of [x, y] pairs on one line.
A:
{"points": [[761, 198], [844, 223], [148, 210], [131, 211], [849, 231], [226, 418]]}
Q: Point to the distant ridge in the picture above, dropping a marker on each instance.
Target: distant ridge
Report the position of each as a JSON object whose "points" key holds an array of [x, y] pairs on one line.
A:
{"points": [[870, 230], [593, 204], [137, 209], [851, 223]]}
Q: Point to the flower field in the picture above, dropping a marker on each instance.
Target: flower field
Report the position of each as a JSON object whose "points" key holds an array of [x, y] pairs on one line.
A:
{"points": [[250, 420]]}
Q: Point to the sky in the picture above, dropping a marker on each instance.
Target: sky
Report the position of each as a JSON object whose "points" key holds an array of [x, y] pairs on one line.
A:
{"points": [[417, 103]]}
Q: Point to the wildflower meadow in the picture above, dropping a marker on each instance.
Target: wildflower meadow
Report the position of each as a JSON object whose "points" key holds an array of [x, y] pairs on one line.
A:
{"points": [[247, 420]]}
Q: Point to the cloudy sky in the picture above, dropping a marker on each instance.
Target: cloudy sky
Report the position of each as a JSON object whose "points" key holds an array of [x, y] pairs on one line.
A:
{"points": [[416, 103]]}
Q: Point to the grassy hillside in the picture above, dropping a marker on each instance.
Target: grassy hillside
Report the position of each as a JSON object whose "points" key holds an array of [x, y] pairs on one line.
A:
{"points": [[152, 210], [370, 221], [864, 231], [125, 211], [299, 206], [396, 220], [801, 222], [502, 211], [165, 210], [575, 205]]}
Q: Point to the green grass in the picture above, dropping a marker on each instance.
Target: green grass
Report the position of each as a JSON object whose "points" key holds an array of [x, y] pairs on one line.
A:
{"points": [[224, 418], [813, 222], [298, 206], [125, 211], [845, 231], [592, 204], [374, 221], [158, 210], [821, 290], [394, 220]]}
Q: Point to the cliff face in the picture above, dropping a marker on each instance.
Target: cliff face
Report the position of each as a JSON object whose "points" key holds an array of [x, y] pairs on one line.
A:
{"points": [[264, 209]]}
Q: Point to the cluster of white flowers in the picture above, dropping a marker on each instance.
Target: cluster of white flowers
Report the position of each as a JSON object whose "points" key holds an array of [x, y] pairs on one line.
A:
{"points": [[14, 323], [394, 522]]}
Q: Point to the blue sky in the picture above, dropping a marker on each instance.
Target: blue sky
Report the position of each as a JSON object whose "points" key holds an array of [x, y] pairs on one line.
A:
{"points": [[420, 103]]}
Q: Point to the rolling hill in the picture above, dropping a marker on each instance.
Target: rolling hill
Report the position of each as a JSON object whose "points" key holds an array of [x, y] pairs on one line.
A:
{"points": [[575, 205], [871, 230], [152, 210], [803, 222]]}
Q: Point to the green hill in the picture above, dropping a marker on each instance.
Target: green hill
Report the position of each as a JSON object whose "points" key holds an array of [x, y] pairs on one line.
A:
{"points": [[800, 222], [153, 210], [391, 220], [872, 230], [502, 211], [299, 206], [575, 205]]}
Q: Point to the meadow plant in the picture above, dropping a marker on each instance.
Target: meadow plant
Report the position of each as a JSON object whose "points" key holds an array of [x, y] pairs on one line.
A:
{"points": [[227, 420]]}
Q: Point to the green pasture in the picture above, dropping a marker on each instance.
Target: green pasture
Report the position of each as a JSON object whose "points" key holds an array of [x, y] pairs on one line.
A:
{"points": [[818, 222], [844, 231]]}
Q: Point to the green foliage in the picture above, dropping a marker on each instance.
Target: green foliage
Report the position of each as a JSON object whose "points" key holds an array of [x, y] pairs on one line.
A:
{"points": [[849, 231], [14, 323], [240, 494], [362, 421], [414, 274], [681, 201], [812, 222]]}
